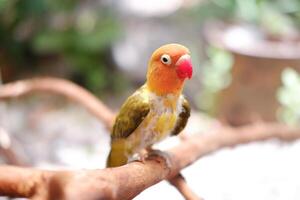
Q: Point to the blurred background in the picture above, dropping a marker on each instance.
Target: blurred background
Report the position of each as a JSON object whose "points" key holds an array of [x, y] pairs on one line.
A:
{"points": [[246, 57]]}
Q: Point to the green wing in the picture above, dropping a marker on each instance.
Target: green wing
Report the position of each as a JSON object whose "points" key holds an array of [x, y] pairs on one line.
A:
{"points": [[132, 113], [182, 118]]}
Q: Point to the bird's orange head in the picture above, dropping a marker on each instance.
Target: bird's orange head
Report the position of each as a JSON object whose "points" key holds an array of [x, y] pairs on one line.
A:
{"points": [[168, 68]]}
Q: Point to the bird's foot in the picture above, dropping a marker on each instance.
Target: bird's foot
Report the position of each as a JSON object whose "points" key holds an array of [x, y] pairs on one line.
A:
{"points": [[154, 153], [150, 153], [139, 157]]}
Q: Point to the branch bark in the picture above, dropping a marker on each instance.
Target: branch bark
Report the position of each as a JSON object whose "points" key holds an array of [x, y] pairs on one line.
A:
{"points": [[6, 149], [61, 87], [127, 181], [180, 184], [58, 86], [40, 184]]}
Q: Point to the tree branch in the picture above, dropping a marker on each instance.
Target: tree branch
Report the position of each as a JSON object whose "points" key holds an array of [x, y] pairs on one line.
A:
{"points": [[61, 87], [127, 181], [37, 184], [58, 86], [7, 151], [180, 184]]}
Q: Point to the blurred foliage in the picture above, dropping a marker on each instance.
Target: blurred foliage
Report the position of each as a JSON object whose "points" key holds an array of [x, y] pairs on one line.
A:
{"points": [[78, 32], [288, 96], [276, 17], [216, 76]]}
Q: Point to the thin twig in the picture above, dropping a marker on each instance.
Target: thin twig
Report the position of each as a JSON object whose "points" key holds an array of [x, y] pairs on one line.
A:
{"points": [[180, 184], [61, 87], [7, 151]]}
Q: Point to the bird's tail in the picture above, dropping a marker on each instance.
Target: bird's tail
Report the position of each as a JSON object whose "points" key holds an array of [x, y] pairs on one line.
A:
{"points": [[118, 154]]}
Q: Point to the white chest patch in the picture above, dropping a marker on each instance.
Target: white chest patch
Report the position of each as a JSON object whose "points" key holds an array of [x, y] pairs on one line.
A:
{"points": [[160, 121]]}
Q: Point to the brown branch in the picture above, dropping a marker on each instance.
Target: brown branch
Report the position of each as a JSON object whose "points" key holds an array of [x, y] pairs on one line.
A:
{"points": [[127, 181], [58, 86], [11, 157], [6, 150], [180, 184], [89, 101], [61, 87]]}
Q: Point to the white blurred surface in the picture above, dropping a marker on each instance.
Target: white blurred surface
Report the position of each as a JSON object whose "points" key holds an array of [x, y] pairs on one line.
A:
{"points": [[260, 171], [151, 8]]}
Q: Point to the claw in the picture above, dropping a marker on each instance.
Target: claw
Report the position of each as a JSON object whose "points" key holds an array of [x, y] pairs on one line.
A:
{"points": [[164, 155], [151, 153], [139, 157]]}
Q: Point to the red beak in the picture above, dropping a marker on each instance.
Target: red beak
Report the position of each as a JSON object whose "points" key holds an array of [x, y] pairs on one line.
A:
{"points": [[184, 67]]}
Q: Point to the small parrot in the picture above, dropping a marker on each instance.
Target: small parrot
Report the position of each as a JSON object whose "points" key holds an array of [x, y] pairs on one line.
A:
{"points": [[157, 109]]}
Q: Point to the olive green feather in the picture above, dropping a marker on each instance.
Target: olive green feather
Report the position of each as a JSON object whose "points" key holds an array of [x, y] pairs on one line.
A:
{"points": [[182, 118], [131, 115]]}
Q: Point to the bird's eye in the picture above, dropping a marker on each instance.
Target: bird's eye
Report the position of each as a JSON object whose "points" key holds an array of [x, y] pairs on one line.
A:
{"points": [[165, 59]]}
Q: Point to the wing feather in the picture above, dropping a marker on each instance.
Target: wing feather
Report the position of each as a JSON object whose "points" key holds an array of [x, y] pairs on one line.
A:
{"points": [[182, 117], [131, 115]]}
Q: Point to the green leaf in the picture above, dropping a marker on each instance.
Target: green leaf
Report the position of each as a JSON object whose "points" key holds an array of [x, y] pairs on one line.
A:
{"points": [[290, 78]]}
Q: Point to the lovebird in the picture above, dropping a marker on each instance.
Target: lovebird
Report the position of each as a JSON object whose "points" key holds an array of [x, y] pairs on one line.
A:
{"points": [[157, 109]]}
